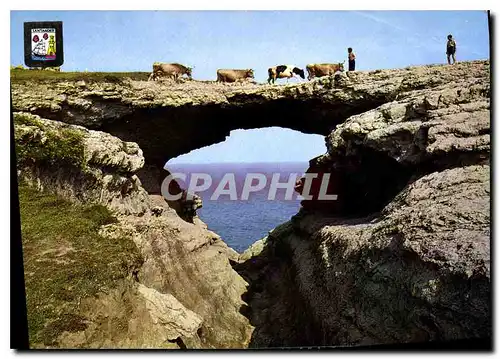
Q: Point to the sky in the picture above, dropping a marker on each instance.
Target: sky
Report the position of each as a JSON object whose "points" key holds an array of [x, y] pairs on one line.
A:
{"points": [[208, 40], [275, 144]]}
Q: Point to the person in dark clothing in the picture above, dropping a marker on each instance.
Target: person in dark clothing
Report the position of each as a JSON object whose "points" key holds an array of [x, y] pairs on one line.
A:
{"points": [[451, 48], [352, 59]]}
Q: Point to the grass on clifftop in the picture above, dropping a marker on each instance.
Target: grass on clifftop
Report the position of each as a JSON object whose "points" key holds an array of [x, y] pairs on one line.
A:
{"points": [[47, 146], [65, 260], [17, 75]]}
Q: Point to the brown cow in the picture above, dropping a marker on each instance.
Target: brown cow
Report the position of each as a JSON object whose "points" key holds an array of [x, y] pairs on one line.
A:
{"points": [[226, 75], [318, 70], [170, 70]]}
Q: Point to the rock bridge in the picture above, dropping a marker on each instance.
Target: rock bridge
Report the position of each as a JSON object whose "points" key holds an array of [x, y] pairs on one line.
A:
{"points": [[167, 119], [411, 148]]}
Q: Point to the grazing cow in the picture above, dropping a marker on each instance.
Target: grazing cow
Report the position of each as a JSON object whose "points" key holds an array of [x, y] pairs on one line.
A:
{"points": [[226, 75], [283, 71], [170, 70], [318, 70]]}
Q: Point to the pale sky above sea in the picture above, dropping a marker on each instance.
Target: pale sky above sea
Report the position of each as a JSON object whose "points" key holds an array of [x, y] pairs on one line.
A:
{"points": [[207, 40]]}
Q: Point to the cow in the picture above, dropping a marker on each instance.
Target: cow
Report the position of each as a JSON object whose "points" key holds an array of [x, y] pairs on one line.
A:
{"points": [[283, 71], [226, 75], [170, 70], [318, 70]]}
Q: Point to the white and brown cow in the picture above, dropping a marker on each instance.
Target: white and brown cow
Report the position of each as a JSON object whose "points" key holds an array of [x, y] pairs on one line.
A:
{"points": [[318, 70], [170, 70], [283, 71], [227, 75]]}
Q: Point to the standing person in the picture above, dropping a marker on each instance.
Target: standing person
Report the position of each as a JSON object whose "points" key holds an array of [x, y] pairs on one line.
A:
{"points": [[352, 59], [451, 48]]}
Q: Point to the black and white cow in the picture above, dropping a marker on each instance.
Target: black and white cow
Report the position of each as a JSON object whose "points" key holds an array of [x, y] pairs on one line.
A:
{"points": [[284, 71]]}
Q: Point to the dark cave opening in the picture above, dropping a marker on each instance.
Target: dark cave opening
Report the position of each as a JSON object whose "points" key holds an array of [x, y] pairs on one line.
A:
{"points": [[364, 183], [372, 182]]}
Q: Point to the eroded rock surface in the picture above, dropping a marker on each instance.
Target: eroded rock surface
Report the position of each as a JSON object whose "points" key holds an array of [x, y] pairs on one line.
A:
{"points": [[167, 119], [185, 294], [418, 271], [79, 164], [405, 255], [402, 257], [193, 264]]}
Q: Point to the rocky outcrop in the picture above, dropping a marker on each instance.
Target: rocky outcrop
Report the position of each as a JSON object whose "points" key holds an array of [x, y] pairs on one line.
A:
{"points": [[373, 155], [167, 119], [445, 125], [133, 316], [404, 256], [193, 264], [418, 272], [184, 295], [79, 164]]}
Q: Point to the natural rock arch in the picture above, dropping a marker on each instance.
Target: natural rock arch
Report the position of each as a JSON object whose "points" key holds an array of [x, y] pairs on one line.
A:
{"points": [[425, 257], [168, 119]]}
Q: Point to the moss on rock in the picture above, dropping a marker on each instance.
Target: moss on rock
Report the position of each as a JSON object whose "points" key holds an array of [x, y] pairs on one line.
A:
{"points": [[37, 143], [66, 260]]}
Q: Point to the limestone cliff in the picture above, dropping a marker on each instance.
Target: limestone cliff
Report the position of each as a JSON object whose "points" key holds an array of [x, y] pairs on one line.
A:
{"points": [[403, 256], [203, 113], [185, 293]]}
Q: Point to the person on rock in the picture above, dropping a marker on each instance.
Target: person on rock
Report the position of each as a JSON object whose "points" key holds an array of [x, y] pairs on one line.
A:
{"points": [[352, 59], [451, 48]]}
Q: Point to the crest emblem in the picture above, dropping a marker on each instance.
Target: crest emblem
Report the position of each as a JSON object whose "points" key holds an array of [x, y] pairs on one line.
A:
{"points": [[43, 44]]}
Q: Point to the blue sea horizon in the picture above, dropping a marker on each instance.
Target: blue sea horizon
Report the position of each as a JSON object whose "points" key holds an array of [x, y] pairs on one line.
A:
{"points": [[242, 222]]}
